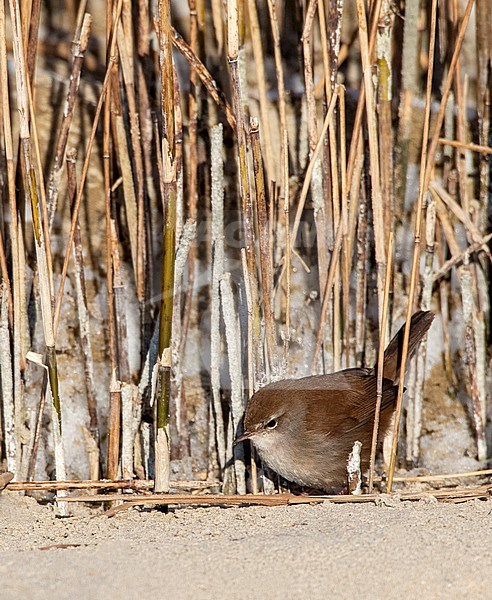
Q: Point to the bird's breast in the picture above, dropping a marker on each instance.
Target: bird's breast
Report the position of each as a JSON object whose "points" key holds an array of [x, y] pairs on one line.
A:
{"points": [[312, 463]]}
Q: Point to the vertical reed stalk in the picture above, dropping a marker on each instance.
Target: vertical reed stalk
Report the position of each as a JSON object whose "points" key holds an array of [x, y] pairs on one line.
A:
{"points": [[377, 201], [266, 267], [18, 274], [162, 445], [246, 201], [44, 269], [419, 210], [380, 364], [217, 178], [83, 310]]}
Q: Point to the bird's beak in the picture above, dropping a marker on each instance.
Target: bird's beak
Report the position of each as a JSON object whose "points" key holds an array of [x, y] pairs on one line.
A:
{"points": [[245, 436]]}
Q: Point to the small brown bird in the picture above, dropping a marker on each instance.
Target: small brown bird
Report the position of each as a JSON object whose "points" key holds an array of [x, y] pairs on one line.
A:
{"points": [[304, 429]]}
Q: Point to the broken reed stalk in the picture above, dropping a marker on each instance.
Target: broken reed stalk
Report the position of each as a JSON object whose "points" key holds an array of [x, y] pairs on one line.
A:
{"points": [[162, 444], [419, 210], [266, 266], [353, 470], [383, 327], [207, 80], [44, 269]]}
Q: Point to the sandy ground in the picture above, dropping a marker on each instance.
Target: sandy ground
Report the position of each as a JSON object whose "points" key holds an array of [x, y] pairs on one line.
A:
{"points": [[419, 550]]}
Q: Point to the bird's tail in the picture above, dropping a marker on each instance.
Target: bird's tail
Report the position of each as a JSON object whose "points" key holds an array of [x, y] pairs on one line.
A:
{"points": [[419, 325]]}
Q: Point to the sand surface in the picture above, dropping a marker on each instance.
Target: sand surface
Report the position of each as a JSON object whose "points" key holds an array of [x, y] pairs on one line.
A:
{"points": [[407, 550]]}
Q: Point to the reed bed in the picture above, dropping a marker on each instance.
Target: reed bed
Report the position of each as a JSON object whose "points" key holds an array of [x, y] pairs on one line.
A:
{"points": [[201, 198]]}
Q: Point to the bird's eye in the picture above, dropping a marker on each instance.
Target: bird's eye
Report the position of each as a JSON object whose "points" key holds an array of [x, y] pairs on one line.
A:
{"points": [[272, 423]]}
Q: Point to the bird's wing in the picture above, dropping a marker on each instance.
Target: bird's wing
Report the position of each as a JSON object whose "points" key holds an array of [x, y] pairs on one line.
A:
{"points": [[356, 403]]}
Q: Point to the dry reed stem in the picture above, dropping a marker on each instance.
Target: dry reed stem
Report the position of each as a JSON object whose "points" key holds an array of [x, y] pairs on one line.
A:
{"points": [[162, 444], [377, 200], [470, 146], [79, 46], [38, 209], [16, 246], [326, 297], [244, 188], [308, 175], [7, 384], [262, 94], [103, 484], [111, 33], [430, 155], [383, 327], [251, 379], [125, 45], [472, 231], [415, 400], [346, 248], [82, 307], [459, 494], [284, 161], [85, 169], [471, 358], [416, 249], [316, 180], [266, 267], [456, 259], [217, 231], [384, 99], [357, 128], [114, 428], [409, 89], [360, 276], [233, 337], [192, 191], [478, 392], [208, 82]]}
